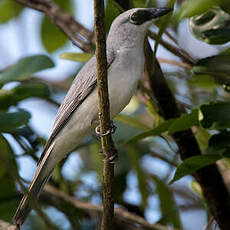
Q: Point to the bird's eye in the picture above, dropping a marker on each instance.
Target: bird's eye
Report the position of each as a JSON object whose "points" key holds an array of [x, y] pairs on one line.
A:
{"points": [[134, 18]]}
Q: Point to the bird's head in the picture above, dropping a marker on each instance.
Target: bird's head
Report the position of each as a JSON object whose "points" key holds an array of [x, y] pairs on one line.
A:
{"points": [[132, 25]]}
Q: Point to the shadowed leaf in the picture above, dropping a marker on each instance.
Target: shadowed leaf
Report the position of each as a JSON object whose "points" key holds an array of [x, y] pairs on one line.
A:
{"points": [[192, 164]]}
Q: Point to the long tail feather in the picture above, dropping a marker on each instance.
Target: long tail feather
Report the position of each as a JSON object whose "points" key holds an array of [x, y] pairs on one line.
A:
{"points": [[42, 175]]}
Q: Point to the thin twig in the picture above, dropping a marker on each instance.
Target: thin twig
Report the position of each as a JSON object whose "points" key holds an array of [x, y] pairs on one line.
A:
{"points": [[104, 116], [179, 52], [63, 21], [176, 63]]}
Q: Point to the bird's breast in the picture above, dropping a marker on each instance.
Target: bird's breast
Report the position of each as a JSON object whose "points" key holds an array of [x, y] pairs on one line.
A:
{"points": [[123, 76]]}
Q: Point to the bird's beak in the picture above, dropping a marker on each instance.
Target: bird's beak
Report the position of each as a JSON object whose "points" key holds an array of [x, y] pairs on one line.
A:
{"points": [[158, 12]]}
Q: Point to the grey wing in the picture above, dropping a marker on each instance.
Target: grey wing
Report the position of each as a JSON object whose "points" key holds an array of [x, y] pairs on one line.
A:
{"points": [[81, 87]]}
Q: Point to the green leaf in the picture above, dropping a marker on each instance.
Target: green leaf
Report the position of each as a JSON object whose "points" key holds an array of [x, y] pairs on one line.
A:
{"points": [[112, 10], [52, 37], [185, 122], [192, 164], [78, 57], [202, 137], [154, 132], [193, 7], [21, 92], [215, 115], [197, 188], [11, 121], [219, 141], [25, 67], [9, 9], [216, 66], [131, 121], [168, 205]]}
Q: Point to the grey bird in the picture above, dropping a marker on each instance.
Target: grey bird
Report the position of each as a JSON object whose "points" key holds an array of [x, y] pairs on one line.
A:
{"points": [[77, 116]]}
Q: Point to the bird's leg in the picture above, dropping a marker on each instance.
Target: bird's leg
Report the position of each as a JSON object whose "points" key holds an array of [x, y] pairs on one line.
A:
{"points": [[111, 130]]}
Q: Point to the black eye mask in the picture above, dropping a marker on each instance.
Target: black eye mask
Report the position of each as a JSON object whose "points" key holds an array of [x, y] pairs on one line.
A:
{"points": [[141, 16]]}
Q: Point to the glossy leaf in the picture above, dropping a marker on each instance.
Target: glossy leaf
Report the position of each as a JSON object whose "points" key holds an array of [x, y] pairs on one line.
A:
{"points": [[25, 68], [215, 115], [77, 57], [192, 164], [11, 121], [9, 9], [21, 92]]}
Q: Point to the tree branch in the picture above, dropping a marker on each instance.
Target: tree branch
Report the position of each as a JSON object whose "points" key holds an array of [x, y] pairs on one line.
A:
{"points": [[104, 116], [66, 203], [63, 21], [214, 190]]}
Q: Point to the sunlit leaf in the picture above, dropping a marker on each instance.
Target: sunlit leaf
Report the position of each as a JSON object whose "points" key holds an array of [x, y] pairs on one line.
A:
{"points": [[77, 57], [192, 164], [9, 9], [11, 121], [25, 68], [202, 137], [196, 188]]}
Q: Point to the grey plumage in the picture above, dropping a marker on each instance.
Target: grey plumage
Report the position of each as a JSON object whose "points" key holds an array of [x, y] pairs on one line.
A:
{"points": [[77, 116]]}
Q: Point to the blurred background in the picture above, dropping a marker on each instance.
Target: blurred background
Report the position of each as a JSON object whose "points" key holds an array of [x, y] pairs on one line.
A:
{"points": [[35, 76]]}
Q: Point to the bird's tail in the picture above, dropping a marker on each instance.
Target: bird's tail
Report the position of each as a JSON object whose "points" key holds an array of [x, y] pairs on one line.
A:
{"points": [[42, 175]]}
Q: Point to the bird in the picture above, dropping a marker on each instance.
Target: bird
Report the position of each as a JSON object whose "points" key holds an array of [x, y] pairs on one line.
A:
{"points": [[77, 116]]}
